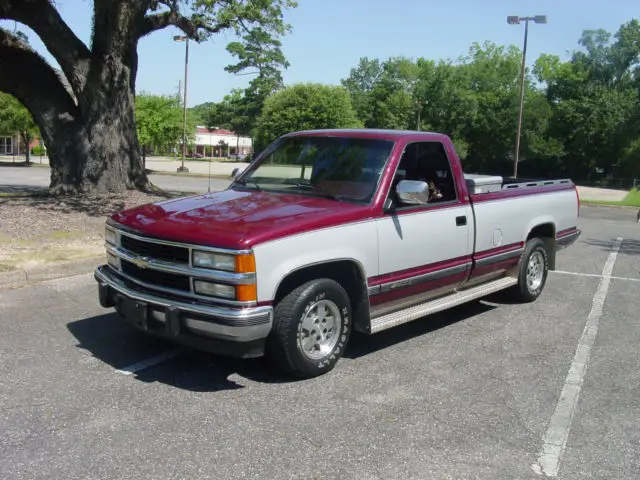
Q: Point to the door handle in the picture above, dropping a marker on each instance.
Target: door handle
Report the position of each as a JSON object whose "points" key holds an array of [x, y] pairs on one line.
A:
{"points": [[461, 220]]}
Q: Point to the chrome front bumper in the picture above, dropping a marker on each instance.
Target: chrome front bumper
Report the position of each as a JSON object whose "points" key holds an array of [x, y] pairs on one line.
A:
{"points": [[180, 319]]}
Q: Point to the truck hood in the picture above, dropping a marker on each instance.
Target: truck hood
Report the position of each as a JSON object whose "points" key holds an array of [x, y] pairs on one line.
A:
{"points": [[237, 219]]}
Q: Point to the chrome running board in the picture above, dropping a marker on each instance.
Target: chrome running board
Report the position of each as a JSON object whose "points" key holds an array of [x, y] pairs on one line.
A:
{"points": [[443, 303]]}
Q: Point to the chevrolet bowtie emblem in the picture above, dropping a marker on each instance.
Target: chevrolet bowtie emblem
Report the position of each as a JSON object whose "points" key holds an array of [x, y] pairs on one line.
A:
{"points": [[141, 262]]}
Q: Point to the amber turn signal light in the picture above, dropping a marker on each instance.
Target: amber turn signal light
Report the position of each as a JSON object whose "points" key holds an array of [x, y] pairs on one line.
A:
{"points": [[245, 263], [246, 293]]}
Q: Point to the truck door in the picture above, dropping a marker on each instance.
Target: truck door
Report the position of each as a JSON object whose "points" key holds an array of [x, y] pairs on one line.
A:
{"points": [[424, 250]]}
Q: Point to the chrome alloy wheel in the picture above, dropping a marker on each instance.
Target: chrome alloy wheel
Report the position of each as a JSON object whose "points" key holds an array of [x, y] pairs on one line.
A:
{"points": [[320, 329], [535, 271]]}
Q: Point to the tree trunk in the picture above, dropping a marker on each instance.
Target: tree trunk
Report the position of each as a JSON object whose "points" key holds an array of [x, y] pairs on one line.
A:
{"points": [[98, 151], [97, 154], [26, 139]]}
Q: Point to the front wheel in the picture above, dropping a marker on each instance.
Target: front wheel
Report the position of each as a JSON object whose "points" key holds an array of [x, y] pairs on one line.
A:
{"points": [[312, 325], [533, 270]]}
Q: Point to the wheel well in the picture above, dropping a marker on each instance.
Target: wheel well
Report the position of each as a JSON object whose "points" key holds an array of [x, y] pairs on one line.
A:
{"points": [[547, 233], [346, 272]]}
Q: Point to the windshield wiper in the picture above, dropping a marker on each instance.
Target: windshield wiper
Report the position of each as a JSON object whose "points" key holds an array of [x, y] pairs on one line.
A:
{"points": [[318, 189], [246, 182]]}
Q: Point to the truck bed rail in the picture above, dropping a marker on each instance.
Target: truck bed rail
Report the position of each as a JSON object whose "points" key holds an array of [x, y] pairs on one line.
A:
{"points": [[535, 183]]}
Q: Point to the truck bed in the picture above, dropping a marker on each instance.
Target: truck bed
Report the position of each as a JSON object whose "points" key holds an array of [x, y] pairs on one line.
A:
{"points": [[482, 184]]}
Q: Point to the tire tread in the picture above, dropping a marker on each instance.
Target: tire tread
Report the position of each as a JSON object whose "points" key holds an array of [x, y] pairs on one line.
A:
{"points": [[279, 347], [520, 292]]}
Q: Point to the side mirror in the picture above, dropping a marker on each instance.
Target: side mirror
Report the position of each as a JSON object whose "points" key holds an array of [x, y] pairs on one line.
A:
{"points": [[413, 192], [235, 172]]}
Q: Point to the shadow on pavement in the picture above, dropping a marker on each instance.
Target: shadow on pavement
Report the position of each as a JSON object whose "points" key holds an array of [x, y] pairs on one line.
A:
{"points": [[19, 190], [502, 297], [114, 342], [361, 345], [629, 246], [90, 205], [18, 163]]}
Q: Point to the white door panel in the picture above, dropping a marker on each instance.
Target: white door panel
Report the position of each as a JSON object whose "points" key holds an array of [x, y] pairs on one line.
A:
{"points": [[411, 240]]}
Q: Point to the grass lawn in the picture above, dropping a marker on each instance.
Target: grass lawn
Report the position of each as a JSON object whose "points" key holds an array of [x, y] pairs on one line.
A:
{"points": [[631, 200]]}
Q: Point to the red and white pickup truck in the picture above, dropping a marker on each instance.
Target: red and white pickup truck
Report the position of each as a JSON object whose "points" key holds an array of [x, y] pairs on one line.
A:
{"points": [[329, 231]]}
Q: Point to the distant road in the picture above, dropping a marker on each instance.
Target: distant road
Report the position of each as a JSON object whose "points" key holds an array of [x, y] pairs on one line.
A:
{"points": [[20, 178]]}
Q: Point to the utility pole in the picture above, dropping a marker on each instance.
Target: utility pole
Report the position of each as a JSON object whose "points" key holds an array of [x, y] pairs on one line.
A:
{"points": [[515, 20], [184, 38]]}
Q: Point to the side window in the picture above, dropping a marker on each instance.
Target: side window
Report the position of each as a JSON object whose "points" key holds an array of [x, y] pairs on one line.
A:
{"points": [[427, 162]]}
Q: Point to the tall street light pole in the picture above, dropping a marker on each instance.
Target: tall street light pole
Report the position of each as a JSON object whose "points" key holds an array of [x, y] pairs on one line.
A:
{"points": [[184, 38], [515, 20]]}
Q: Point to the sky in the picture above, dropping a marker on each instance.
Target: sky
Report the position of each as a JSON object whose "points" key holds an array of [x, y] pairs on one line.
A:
{"points": [[330, 36]]}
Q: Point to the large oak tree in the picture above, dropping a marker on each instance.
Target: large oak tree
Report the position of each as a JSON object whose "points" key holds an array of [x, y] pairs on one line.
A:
{"points": [[86, 112]]}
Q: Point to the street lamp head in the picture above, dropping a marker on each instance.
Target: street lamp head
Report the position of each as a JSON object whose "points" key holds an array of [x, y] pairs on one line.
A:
{"points": [[540, 19], [513, 20], [179, 38]]}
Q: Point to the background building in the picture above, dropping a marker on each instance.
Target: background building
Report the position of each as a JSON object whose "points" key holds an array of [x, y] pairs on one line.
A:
{"points": [[13, 144], [222, 142]]}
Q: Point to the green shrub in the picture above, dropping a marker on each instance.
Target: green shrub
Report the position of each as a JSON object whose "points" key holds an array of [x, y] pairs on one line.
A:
{"points": [[38, 150]]}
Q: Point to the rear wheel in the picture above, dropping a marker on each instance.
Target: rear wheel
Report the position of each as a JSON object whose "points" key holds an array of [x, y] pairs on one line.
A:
{"points": [[533, 271], [312, 325]]}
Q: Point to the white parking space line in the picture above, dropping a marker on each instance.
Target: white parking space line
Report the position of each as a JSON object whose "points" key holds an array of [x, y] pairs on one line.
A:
{"points": [[150, 362], [595, 275], [555, 439]]}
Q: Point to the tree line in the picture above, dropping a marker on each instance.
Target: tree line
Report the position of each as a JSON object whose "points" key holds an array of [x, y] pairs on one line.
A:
{"points": [[581, 116]]}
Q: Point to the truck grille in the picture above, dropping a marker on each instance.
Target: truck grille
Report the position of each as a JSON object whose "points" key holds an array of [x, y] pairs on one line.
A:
{"points": [[164, 267], [168, 253], [155, 277]]}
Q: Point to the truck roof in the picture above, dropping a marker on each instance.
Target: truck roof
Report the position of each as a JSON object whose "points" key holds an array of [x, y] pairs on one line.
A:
{"points": [[382, 134]]}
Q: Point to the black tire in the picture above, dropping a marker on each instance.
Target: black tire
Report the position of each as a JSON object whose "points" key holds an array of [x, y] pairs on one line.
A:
{"points": [[283, 346], [523, 291]]}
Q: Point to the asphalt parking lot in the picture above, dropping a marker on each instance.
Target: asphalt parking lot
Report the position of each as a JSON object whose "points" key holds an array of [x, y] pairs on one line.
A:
{"points": [[489, 390]]}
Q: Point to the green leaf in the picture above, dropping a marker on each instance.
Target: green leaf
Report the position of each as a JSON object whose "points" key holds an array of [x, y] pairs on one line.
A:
{"points": [[303, 107]]}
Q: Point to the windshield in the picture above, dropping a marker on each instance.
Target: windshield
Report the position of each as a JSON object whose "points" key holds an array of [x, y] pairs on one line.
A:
{"points": [[341, 168]]}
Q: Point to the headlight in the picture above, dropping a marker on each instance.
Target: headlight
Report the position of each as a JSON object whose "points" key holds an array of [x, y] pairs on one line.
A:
{"points": [[244, 263], [110, 236], [215, 261], [214, 289], [240, 293]]}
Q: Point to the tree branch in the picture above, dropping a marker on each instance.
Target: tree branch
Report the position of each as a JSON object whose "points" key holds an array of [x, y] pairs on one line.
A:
{"points": [[43, 18], [28, 77], [191, 28], [257, 72]]}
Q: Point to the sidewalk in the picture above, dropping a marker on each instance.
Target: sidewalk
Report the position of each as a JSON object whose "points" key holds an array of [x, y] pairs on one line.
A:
{"points": [[160, 164], [200, 167]]}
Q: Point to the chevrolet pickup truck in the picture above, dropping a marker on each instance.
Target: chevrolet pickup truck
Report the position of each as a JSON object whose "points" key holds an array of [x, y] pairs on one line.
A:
{"points": [[328, 232]]}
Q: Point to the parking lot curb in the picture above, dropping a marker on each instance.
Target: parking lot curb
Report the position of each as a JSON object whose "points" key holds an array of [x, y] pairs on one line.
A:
{"points": [[592, 204], [18, 278]]}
